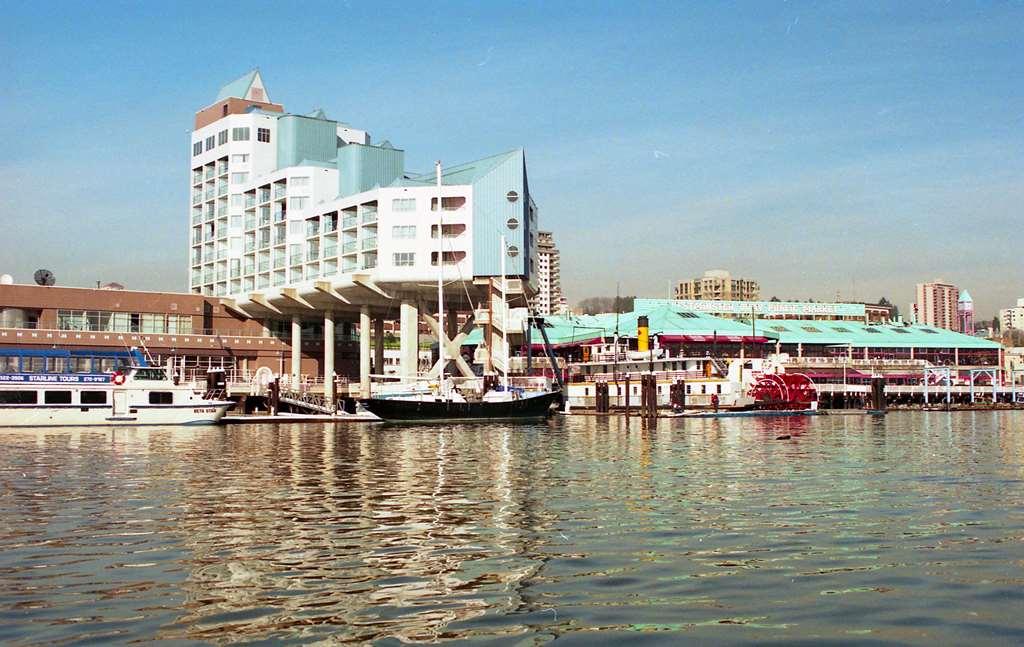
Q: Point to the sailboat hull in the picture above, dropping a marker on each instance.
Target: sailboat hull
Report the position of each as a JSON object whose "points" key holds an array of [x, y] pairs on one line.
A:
{"points": [[397, 410]]}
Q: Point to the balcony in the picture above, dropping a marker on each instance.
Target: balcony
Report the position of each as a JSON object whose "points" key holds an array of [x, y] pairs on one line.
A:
{"points": [[250, 201], [330, 251], [348, 265], [222, 211], [350, 247], [250, 221], [369, 261], [210, 172], [222, 190], [369, 243], [280, 190], [296, 259], [197, 217], [197, 197], [250, 245], [312, 255], [350, 221], [250, 268], [264, 195], [280, 237], [222, 168], [264, 219], [264, 266], [369, 216], [280, 216], [265, 242], [210, 194]]}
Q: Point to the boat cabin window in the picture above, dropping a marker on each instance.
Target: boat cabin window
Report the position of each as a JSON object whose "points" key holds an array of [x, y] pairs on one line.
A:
{"points": [[161, 397], [8, 364], [150, 374], [94, 397], [57, 397], [19, 397]]}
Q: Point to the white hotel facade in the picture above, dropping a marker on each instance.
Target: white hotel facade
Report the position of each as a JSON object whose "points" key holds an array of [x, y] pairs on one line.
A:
{"points": [[297, 218]]}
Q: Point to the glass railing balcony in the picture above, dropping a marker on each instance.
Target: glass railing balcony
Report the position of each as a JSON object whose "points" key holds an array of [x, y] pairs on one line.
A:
{"points": [[264, 281], [312, 229], [209, 194], [369, 243], [330, 250], [369, 216], [369, 261], [312, 255], [197, 217], [210, 172], [280, 216], [264, 195], [329, 225], [197, 177], [264, 219], [279, 261], [250, 245], [279, 279], [250, 222], [222, 211], [348, 266], [236, 271], [350, 247], [349, 221], [222, 254], [250, 201], [250, 268], [264, 242], [222, 168], [222, 190], [264, 266], [280, 238], [222, 276], [295, 259], [279, 190], [197, 197]]}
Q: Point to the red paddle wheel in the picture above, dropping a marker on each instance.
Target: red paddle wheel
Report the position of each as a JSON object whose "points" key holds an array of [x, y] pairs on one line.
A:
{"points": [[784, 391]]}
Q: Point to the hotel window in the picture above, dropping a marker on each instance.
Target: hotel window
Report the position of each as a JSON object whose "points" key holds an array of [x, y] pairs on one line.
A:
{"points": [[452, 203], [404, 259], [210, 142], [239, 134], [403, 231], [403, 204], [299, 203], [222, 137], [239, 178], [239, 159], [197, 148], [263, 135]]}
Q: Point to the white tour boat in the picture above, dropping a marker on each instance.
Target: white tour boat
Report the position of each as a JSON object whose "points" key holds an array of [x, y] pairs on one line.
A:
{"points": [[49, 388]]}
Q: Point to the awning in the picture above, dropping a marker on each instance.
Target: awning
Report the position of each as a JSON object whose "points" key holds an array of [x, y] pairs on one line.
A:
{"points": [[710, 339]]}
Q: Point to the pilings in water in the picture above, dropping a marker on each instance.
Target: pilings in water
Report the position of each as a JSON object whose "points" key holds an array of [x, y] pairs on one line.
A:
{"points": [[878, 401], [677, 395], [648, 396], [601, 400]]}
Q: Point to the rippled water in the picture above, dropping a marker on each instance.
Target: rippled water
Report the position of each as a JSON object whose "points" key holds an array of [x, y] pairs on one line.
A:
{"points": [[856, 529]]}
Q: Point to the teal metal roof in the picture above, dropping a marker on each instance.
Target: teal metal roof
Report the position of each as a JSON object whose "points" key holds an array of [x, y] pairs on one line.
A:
{"points": [[239, 87], [965, 297], [859, 335], [666, 320], [466, 173]]}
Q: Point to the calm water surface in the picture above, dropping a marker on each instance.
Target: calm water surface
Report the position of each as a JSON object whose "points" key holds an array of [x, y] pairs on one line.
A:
{"points": [[907, 529]]}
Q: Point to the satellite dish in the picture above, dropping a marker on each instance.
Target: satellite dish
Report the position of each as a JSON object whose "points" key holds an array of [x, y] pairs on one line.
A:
{"points": [[44, 277]]}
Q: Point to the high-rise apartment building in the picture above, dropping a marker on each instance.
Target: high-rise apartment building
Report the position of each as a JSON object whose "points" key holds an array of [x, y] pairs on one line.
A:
{"points": [[718, 285], [299, 219], [549, 299], [936, 305], [281, 200], [1012, 318]]}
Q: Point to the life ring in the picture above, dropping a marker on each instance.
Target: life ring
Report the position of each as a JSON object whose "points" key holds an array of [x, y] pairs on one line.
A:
{"points": [[118, 378]]}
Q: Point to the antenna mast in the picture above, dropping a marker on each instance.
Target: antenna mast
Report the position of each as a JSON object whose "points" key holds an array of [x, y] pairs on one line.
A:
{"points": [[440, 280]]}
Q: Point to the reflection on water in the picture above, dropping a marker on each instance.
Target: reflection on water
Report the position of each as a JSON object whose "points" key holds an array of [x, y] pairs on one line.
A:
{"points": [[907, 528]]}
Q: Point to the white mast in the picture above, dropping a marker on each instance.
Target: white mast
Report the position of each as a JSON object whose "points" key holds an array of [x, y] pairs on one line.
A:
{"points": [[440, 279], [504, 312]]}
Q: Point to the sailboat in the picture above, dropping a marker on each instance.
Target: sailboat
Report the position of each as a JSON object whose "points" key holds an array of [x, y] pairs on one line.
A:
{"points": [[447, 403]]}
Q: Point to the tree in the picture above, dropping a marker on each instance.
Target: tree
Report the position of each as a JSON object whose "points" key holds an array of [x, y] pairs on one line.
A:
{"points": [[893, 310], [996, 325], [597, 305], [775, 299]]}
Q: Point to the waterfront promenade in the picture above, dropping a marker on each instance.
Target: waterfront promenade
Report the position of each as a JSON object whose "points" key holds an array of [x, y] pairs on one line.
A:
{"points": [[856, 529]]}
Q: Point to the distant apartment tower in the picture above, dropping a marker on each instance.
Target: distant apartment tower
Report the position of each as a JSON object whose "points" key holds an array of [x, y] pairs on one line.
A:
{"points": [[936, 305], [549, 299], [718, 285], [1012, 318]]}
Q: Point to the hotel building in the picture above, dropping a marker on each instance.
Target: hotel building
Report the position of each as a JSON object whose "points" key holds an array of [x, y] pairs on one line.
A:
{"points": [[299, 217], [1012, 318], [718, 285]]}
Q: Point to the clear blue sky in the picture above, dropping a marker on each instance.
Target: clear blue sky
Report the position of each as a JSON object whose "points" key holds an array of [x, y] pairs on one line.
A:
{"points": [[855, 147]]}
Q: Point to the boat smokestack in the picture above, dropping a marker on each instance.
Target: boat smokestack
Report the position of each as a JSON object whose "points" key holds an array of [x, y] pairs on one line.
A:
{"points": [[642, 334]]}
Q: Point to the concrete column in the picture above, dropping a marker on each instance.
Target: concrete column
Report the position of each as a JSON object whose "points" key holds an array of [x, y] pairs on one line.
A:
{"points": [[956, 357], [364, 351], [378, 345], [296, 350], [328, 355], [408, 339]]}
